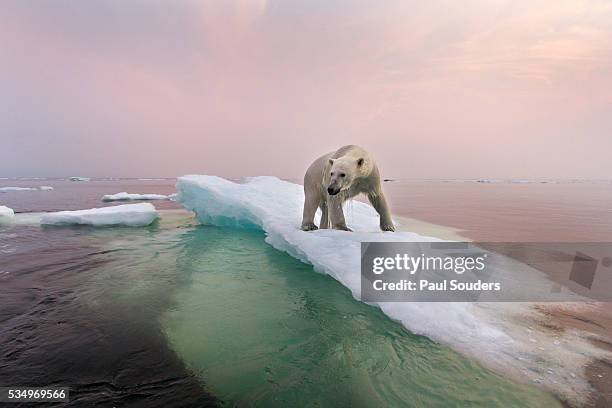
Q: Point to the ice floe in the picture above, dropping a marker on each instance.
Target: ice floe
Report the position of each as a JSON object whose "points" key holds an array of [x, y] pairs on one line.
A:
{"points": [[17, 188], [491, 332], [123, 196], [6, 214], [76, 178], [133, 215], [41, 188]]}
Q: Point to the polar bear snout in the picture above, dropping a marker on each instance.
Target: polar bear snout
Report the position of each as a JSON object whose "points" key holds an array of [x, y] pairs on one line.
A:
{"points": [[332, 190], [335, 184]]}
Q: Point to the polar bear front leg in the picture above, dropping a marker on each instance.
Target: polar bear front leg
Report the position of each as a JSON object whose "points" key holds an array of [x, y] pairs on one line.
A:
{"points": [[336, 215], [378, 201], [311, 203], [324, 216]]}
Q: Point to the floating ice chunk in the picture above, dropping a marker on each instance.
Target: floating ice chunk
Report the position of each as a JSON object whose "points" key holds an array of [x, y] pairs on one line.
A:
{"points": [[17, 188], [491, 332], [6, 214], [133, 215], [41, 188], [123, 196], [276, 206], [76, 178]]}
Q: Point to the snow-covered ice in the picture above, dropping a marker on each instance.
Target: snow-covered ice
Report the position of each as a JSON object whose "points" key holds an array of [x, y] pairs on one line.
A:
{"points": [[123, 196], [491, 332], [133, 215], [6, 214]]}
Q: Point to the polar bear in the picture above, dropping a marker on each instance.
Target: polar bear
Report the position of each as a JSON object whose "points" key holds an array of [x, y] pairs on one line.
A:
{"points": [[339, 176]]}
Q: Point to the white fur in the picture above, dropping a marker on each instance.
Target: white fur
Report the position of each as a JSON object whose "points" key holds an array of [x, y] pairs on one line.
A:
{"points": [[337, 177]]}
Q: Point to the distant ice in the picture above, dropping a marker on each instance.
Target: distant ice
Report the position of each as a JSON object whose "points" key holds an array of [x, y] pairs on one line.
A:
{"points": [[76, 178], [41, 188], [17, 188], [494, 333], [133, 215], [123, 196], [6, 214], [519, 181], [514, 181]]}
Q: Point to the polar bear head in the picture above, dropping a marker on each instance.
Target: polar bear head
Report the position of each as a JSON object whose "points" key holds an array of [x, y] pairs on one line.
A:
{"points": [[342, 173]]}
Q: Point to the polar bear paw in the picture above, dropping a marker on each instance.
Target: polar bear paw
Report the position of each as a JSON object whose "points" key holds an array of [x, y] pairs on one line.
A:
{"points": [[387, 227], [309, 227]]}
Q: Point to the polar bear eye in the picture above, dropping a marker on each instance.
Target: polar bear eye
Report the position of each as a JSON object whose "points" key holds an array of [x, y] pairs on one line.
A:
{"points": [[331, 174], [342, 175]]}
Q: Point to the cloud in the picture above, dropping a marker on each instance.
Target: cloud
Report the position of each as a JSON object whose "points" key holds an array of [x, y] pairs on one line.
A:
{"points": [[233, 88]]}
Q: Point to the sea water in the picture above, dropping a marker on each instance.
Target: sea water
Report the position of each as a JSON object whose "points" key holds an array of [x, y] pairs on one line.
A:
{"points": [[189, 313], [179, 313]]}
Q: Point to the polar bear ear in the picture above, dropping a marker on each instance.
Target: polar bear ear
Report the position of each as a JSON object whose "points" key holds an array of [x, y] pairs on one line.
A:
{"points": [[331, 162], [360, 162]]}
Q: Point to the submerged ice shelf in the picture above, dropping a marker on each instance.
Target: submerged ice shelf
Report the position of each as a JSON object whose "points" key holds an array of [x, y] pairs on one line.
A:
{"points": [[496, 334], [132, 215]]}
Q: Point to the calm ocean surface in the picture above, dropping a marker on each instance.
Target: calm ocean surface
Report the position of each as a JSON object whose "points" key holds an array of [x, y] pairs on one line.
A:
{"points": [[179, 314]]}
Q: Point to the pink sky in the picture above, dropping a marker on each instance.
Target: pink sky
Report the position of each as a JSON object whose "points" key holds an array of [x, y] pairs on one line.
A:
{"points": [[437, 89]]}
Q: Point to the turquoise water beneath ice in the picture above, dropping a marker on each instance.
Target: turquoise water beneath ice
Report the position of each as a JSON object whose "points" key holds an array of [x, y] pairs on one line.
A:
{"points": [[263, 329]]}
